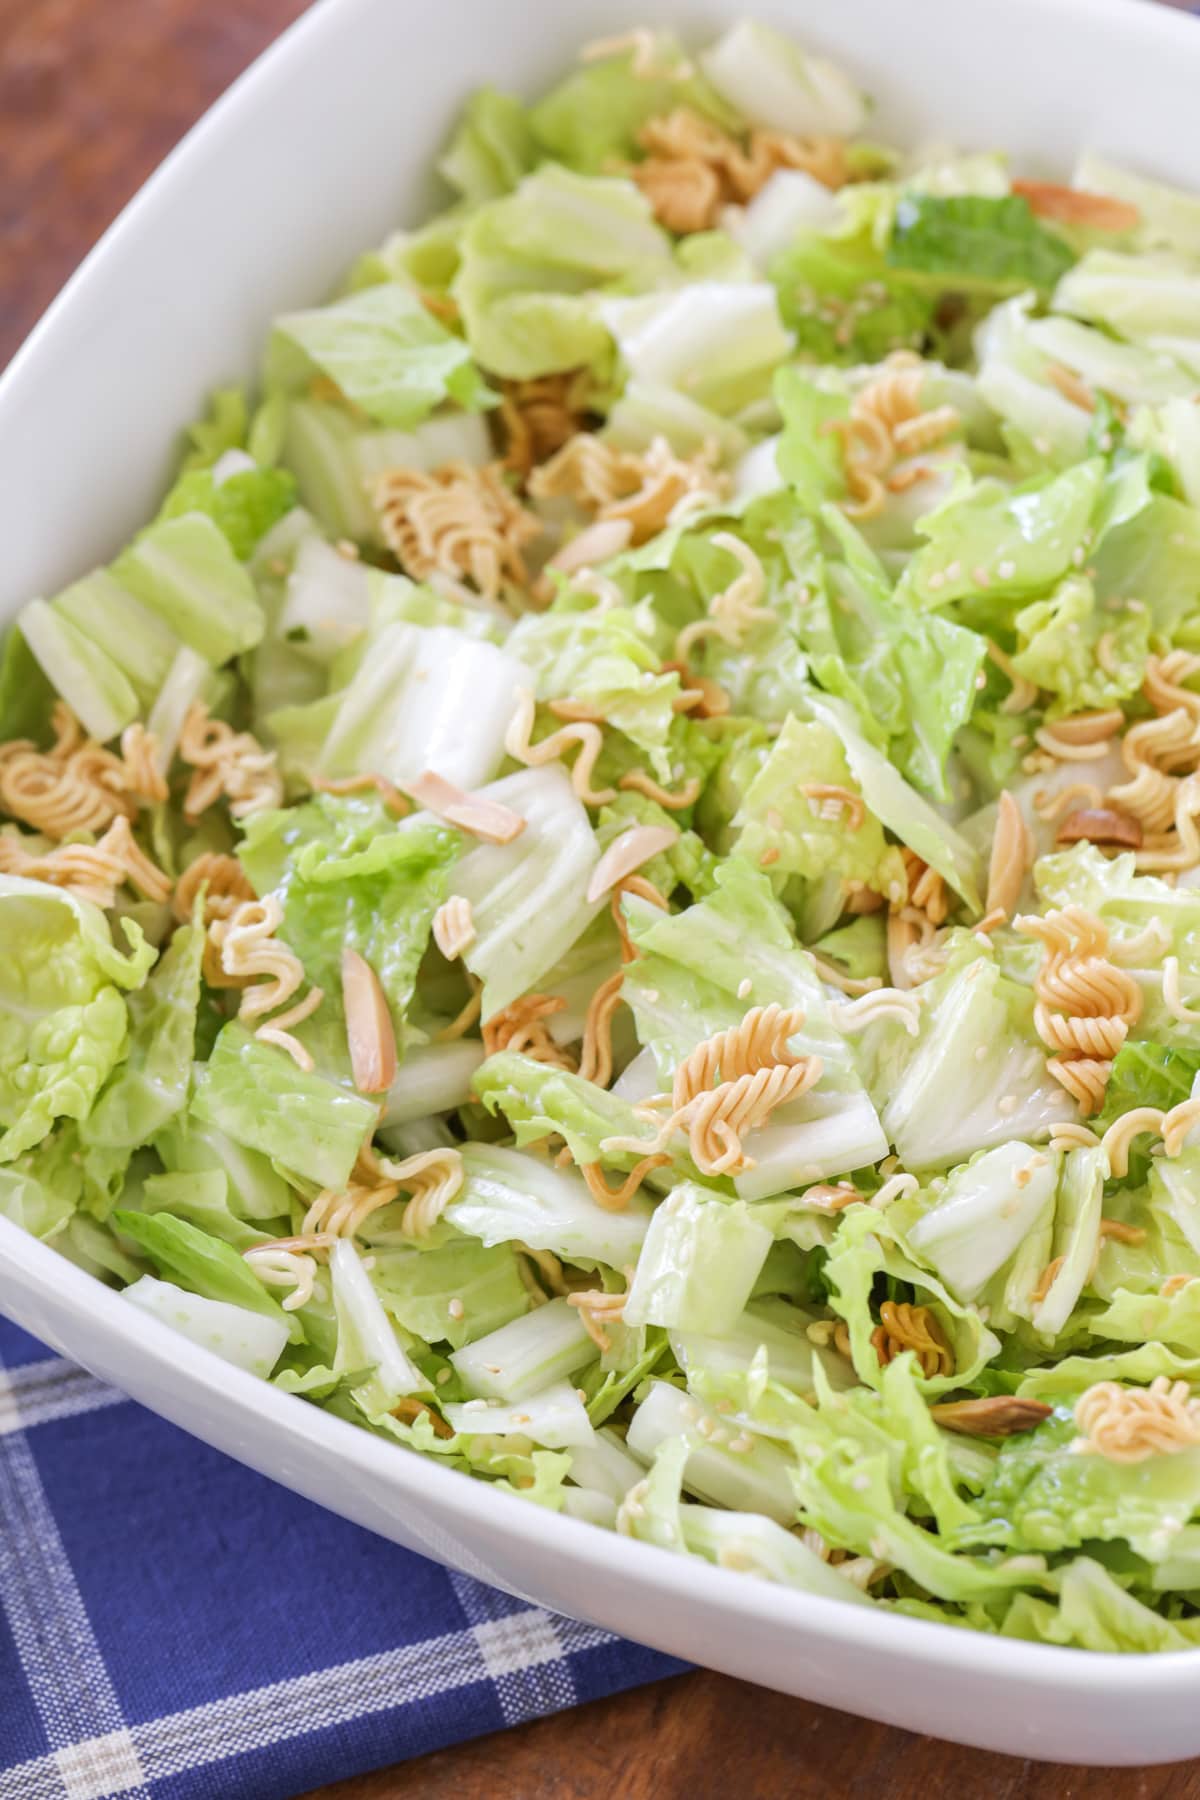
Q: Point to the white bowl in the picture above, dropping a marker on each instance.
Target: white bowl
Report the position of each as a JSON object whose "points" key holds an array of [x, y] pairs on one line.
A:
{"points": [[318, 151]]}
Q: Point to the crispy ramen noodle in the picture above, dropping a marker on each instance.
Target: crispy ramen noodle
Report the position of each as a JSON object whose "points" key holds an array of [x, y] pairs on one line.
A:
{"points": [[90, 871], [637, 781], [886, 422], [459, 520], [76, 785], [644, 890], [225, 883], [521, 1027], [735, 609], [1172, 1126], [1085, 1003], [1023, 692], [268, 971], [597, 1309], [898, 1004], [586, 737], [226, 763], [644, 488], [1130, 1425], [693, 169], [754, 1072], [829, 800], [539, 416], [596, 1055], [916, 1328]]}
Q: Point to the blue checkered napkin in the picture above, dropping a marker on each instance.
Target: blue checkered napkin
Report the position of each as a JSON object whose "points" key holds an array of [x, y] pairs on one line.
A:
{"points": [[174, 1627]]}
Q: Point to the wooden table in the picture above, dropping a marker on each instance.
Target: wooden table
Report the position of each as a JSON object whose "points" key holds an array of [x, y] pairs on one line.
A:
{"points": [[93, 93]]}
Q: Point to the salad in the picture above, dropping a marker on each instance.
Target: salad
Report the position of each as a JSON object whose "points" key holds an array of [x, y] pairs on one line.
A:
{"points": [[611, 890]]}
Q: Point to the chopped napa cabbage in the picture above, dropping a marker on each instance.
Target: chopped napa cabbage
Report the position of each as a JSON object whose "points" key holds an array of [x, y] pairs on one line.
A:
{"points": [[425, 698], [553, 1416], [528, 258], [239, 1336], [185, 570], [63, 1019], [151, 1084], [508, 1197], [92, 683], [699, 1262], [975, 1075], [128, 633], [256, 1095], [700, 971], [528, 898], [720, 341], [492, 148], [383, 350], [772, 82], [527, 1355]]}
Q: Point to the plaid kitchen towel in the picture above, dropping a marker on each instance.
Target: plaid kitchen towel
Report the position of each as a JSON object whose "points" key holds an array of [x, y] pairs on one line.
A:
{"points": [[175, 1627]]}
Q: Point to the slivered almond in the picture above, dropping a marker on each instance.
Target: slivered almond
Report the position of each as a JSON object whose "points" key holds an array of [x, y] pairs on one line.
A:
{"points": [[369, 1030], [1010, 857], [627, 853], [595, 544], [1002, 1415], [454, 927], [830, 1197], [486, 819], [1075, 206], [1100, 825]]}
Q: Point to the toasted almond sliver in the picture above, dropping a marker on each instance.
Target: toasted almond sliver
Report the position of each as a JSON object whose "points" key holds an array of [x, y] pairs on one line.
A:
{"points": [[1100, 825], [627, 853], [369, 1030], [1076, 206], [595, 544], [1000, 1415], [486, 819]]}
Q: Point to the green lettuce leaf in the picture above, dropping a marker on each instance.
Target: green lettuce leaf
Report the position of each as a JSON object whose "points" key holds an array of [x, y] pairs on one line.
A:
{"points": [[245, 504], [185, 570], [418, 1289], [203, 1264], [528, 259], [1024, 539], [590, 121], [222, 428], [492, 149], [1057, 642], [976, 242], [383, 350], [151, 1085], [256, 1095], [774, 816], [92, 682], [63, 1023], [242, 1336]]}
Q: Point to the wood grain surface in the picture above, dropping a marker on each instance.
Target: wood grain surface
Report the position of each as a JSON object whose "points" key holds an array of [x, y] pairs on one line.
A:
{"points": [[93, 93]]}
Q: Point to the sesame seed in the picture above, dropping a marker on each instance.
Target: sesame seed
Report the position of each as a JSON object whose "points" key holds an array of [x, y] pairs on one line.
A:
{"points": [[456, 1309], [744, 987], [1007, 570], [443, 1376], [936, 581], [1006, 1105], [954, 571]]}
